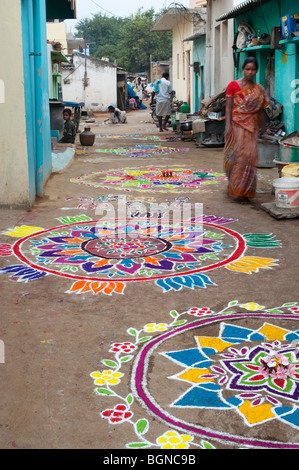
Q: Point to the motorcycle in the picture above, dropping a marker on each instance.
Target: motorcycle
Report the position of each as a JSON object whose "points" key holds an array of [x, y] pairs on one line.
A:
{"points": [[153, 112], [153, 109]]}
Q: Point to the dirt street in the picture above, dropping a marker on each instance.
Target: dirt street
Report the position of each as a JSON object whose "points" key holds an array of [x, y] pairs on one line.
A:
{"points": [[128, 329]]}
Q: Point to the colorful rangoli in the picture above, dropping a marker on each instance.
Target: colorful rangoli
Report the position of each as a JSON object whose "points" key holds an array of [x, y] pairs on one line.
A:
{"points": [[151, 179], [143, 151], [132, 136], [236, 387], [106, 256]]}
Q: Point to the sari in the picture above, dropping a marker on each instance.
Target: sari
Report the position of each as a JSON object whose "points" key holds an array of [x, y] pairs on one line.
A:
{"points": [[241, 143]]}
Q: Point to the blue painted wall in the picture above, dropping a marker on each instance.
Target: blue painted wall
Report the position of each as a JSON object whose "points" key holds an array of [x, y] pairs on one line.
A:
{"points": [[286, 59], [28, 67], [36, 94]]}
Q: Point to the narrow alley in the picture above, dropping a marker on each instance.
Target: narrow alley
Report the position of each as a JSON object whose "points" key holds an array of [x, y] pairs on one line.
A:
{"points": [[123, 330]]}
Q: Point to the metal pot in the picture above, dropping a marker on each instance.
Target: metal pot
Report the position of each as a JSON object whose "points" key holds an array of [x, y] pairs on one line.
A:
{"points": [[186, 126]]}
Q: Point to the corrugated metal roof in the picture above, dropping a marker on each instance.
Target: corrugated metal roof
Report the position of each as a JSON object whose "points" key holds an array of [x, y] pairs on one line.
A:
{"points": [[242, 8]]}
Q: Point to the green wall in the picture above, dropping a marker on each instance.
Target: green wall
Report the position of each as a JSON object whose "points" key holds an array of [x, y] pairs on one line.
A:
{"points": [[199, 55], [285, 60]]}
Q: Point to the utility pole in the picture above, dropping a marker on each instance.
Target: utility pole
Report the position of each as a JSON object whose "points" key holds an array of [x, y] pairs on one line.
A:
{"points": [[85, 72]]}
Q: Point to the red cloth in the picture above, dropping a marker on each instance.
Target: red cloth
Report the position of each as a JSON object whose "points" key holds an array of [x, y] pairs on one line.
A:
{"points": [[241, 143], [232, 88]]}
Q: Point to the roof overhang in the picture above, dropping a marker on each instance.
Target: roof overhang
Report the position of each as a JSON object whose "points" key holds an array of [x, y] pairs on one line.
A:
{"points": [[61, 10], [56, 55], [195, 36], [242, 8], [171, 17]]}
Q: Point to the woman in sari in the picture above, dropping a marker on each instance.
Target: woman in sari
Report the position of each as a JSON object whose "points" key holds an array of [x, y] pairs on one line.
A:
{"points": [[244, 115]]}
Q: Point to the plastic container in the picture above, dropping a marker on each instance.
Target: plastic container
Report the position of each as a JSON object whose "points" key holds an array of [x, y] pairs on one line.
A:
{"points": [[185, 108], [289, 25], [286, 192]]}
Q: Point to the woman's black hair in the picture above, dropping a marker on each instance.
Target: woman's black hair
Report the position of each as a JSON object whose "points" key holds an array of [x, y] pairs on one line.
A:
{"points": [[250, 60]]}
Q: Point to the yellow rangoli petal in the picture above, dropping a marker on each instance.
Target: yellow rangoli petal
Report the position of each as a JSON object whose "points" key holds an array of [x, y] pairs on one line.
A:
{"points": [[194, 375], [272, 332], [249, 264], [215, 343], [23, 231], [256, 414]]}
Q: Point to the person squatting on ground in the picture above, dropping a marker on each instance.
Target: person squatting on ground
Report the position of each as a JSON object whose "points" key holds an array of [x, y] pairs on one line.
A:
{"points": [[245, 118], [69, 131], [116, 115], [163, 93]]}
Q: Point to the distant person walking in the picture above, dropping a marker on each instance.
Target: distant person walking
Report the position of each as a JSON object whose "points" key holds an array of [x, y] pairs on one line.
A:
{"points": [[163, 94], [244, 119], [139, 90]]}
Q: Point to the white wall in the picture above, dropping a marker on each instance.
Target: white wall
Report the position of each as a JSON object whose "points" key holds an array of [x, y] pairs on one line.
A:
{"points": [[102, 83], [219, 53], [14, 184], [57, 32], [182, 76]]}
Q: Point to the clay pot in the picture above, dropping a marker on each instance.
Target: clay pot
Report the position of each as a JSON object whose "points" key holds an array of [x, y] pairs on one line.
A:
{"points": [[87, 137]]}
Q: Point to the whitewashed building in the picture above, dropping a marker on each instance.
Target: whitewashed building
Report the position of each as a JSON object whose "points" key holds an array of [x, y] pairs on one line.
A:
{"points": [[90, 80], [185, 24]]}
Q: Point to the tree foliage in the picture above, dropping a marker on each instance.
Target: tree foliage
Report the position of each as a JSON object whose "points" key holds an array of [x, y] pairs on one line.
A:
{"points": [[128, 41]]}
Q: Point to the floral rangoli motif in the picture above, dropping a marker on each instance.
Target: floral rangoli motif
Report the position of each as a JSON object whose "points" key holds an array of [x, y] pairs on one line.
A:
{"points": [[237, 373]]}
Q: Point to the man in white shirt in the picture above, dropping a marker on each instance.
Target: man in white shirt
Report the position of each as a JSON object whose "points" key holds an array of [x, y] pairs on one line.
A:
{"points": [[163, 93]]}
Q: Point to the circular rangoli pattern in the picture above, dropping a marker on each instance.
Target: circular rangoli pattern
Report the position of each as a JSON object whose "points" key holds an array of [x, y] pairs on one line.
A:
{"points": [[104, 255], [220, 377], [143, 151], [152, 179], [131, 252]]}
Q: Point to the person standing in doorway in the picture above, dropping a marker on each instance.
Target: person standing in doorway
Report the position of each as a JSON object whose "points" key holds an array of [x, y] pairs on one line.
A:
{"points": [[244, 120], [163, 93]]}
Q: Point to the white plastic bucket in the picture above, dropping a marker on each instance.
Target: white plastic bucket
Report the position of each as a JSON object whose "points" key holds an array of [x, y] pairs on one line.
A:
{"points": [[286, 192]]}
